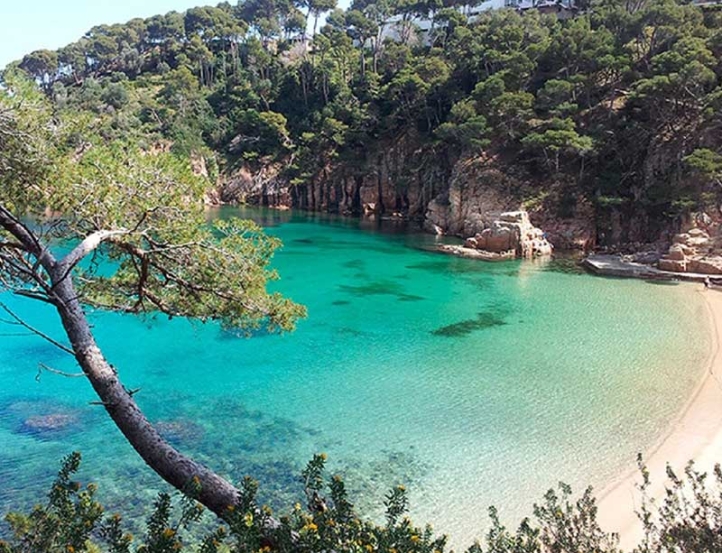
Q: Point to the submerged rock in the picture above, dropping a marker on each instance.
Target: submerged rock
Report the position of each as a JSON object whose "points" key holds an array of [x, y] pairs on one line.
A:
{"points": [[180, 430], [49, 424]]}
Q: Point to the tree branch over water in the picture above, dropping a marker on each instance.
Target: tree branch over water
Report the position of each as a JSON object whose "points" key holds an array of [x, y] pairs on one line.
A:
{"points": [[171, 257]]}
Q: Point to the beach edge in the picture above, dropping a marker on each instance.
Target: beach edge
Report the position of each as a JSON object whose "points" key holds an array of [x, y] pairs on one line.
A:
{"points": [[695, 434]]}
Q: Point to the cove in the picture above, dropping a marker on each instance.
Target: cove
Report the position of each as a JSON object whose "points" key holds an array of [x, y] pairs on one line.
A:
{"points": [[471, 383]]}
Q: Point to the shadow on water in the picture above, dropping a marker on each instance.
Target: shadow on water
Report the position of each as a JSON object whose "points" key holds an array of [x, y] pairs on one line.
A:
{"points": [[354, 264], [380, 288], [39, 350], [662, 282], [482, 321], [564, 263], [446, 266]]}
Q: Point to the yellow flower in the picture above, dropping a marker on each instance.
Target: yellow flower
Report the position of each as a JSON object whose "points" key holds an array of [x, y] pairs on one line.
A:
{"points": [[248, 519], [309, 527], [415, 539], [168, 533], [231, 508]]}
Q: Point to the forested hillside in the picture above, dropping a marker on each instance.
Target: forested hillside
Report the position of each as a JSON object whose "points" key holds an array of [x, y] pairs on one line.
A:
{"points": [[606, 125]]}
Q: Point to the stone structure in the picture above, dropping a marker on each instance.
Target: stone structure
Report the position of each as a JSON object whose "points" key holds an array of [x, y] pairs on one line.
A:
{"points": [[695, 251], [511, 235]]}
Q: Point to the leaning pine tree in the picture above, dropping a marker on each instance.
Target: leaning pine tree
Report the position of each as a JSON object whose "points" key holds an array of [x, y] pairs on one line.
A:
{"points": [[64, 189]]}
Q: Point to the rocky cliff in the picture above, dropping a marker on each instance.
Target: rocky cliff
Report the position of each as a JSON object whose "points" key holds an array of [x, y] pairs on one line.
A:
{"points": [[454, 196]]}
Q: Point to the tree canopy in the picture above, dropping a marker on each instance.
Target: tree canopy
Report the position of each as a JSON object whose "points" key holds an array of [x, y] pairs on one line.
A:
{"points": [[607, 104], [90, 220]]}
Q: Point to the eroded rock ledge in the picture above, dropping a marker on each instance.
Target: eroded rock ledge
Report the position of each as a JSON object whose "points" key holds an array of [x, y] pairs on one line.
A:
{"points": [[510, 236]]}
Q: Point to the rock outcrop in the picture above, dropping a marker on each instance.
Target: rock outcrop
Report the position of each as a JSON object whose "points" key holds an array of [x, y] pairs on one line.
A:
{"points": [[474, 199], [695, 251], [479, 192], [511, 234]]}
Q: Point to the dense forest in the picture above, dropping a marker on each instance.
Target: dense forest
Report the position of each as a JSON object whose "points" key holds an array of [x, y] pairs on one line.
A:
{"points": [[608, 120]]}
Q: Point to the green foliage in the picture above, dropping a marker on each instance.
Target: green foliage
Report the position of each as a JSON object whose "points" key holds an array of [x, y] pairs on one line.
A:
{"points": [[706, 163], [688, 520], [465, 128], [559, 137], [640, 83], [64, 524], [148, 207]]}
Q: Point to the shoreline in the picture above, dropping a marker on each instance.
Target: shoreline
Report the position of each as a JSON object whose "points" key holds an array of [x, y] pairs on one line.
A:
{"points": [[696, 433]]}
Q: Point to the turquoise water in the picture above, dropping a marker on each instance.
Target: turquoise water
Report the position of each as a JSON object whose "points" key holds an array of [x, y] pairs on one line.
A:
{"points": [[471, 383]]}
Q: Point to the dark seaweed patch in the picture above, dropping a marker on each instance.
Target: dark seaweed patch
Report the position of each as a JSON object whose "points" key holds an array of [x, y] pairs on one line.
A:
{"points": [[350, 331], [380, 288], [340, 302], [410, 297], [354, 264], [463, 328], [454, 266]]}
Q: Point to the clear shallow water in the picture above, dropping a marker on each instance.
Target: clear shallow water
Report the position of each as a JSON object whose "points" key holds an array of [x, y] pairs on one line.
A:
{"points": [[472, 383]]}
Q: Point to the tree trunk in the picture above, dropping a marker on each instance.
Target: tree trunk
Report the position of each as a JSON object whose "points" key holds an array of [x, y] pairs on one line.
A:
{"points": [[180, 471]]}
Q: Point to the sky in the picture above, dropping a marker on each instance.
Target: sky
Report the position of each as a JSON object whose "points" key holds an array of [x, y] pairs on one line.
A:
{"points": [[27, 25]]}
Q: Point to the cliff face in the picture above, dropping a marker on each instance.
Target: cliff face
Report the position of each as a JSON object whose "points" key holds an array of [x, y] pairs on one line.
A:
{"points": [[455, 196], [398, 178]]}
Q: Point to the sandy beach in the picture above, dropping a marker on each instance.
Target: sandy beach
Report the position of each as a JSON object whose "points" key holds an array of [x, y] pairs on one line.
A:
{"points": [[695, 434]]}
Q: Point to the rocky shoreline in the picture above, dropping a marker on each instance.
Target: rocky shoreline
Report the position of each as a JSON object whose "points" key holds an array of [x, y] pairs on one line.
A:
{"points": [[617, 266]]}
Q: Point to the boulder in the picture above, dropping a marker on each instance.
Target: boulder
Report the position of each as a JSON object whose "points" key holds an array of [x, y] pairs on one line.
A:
{"points": [[676, 253], [673, 265], [695, 251], [471, 242], [369, 208], [519, 217], [512, 231], [706, 265]]}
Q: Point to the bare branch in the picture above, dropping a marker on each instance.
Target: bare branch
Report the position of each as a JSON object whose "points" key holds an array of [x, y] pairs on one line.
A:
{"points": [[43, 367], [34, 330], [89, 244]]}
